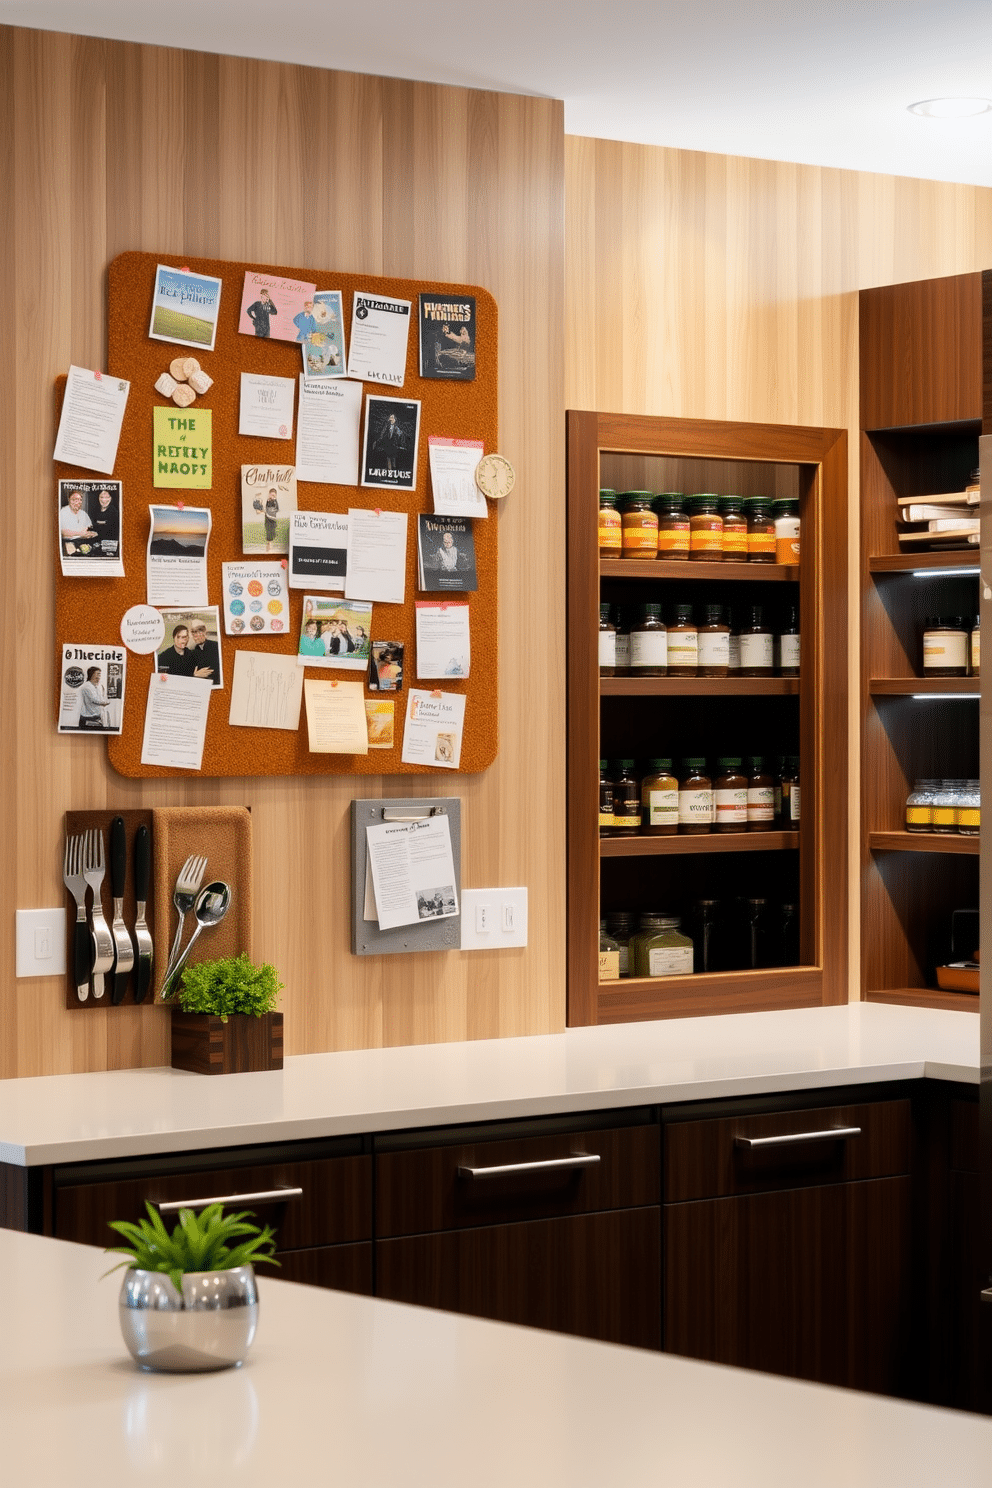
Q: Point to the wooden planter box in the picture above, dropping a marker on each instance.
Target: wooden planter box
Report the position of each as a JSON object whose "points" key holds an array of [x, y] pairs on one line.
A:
{"points": [[206, 1045]]}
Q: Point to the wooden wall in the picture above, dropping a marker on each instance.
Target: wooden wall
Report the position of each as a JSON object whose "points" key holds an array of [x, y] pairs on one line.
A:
{"points": [[707, 286], [106, 146]]}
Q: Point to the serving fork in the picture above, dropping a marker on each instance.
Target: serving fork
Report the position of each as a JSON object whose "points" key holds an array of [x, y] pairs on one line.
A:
{"points": [[187, 887], [103, 941], [72, 876]]}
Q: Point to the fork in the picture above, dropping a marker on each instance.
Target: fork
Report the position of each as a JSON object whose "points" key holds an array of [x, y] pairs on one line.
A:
{"points": [[187, 887], [74, 881], [103, 941]]}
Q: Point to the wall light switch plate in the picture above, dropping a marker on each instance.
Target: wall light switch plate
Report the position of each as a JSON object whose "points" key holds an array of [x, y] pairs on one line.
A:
{"points": [[40, 942], [493, 919]]}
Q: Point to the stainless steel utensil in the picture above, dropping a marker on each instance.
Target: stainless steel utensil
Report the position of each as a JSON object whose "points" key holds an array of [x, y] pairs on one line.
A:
{"points": [[103, 941], [142, 935], [187, 887], [212, 905], [72, 876], [123, 949]]}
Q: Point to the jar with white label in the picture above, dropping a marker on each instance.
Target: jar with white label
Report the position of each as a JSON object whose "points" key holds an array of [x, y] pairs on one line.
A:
{"points": [[607, 643], [760, 795], [946, 643], [714, 642], [787, 645], [620, 927], [785, 514], [734, 643], [730, 795], [695, 798], [757, 645], [649, 643], [683, 643], [660, 949], [609, 955], [659, 800], [621, 619]]}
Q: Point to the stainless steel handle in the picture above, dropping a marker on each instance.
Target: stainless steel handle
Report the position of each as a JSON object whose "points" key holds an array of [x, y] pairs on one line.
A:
{"points": [[250, 1198], [834, 1134], [576, 1160]]}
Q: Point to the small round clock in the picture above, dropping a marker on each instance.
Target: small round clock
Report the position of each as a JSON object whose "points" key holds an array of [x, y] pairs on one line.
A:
{"points": [[495, 476]]}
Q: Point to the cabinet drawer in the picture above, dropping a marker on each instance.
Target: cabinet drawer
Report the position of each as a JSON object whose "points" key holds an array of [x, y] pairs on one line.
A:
{"points": [[335, 1206], [428, 1189], [342, 1268], [708, 1159]]}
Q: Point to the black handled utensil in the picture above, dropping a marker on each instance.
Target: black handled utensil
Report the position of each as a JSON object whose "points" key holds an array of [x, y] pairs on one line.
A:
{"points": [[142, 935], [123, 949]]}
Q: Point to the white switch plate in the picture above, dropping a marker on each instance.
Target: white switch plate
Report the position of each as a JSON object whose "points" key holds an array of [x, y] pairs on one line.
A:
{"points": [[40, 942], [493, 919]]}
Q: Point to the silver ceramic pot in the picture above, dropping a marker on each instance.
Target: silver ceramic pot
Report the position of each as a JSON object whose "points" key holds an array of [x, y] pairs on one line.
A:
{"points": [[209, 1325]]}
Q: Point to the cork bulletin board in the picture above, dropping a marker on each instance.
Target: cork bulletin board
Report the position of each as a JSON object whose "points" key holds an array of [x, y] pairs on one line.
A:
{"points": [[89, 610]]}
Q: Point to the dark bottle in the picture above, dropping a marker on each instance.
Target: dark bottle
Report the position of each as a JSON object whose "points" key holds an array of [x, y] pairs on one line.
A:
{"points": [[621, 619], [607, 643], [760, 530], [757, 645], [713, 642], [788, 645], [790, 792], [788, 934], [761, 947], [605, 801], [760, 795], [695, 798], [626, 800], [683, 643], [703, 925], [730, 795], [649, 643]]}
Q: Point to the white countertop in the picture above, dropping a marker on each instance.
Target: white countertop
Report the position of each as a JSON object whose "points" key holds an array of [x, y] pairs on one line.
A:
{"points": [[356, 1391], [78, 1118]]}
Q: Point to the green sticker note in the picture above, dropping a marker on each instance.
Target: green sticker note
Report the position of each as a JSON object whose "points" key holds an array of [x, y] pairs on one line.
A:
{"points": [[182, 448]]}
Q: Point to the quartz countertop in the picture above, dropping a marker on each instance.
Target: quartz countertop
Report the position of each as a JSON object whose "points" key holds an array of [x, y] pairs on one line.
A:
{"points": [[124, 1113], [353, 1390]]}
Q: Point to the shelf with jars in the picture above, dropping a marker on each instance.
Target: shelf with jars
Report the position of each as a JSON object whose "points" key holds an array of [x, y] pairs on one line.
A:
{"points": [[712, 659], [921, 381]]}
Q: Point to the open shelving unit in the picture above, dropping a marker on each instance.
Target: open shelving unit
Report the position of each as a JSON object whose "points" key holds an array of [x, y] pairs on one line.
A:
{"points": [[921, 418], [641, 717]]}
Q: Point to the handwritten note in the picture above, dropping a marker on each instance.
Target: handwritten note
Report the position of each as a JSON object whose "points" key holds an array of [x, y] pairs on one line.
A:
{"points": [[267, 691]]}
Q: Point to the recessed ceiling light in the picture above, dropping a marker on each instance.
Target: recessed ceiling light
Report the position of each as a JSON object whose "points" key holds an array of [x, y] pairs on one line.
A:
{"points": [[951, 108]]}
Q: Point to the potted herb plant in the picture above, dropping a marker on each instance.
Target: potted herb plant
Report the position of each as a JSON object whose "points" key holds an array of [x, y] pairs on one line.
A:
{"points": [[224, 1020], [189, 1300]]}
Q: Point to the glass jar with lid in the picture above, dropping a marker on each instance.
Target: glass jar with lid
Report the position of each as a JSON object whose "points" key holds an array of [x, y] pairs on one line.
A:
{"points": [[785, 514], [705, 528], [730, 795], [946, 642], [760, 795], [714, 642], [683, 642], [639, 525], [620, 924], [659, 799], [757, 645], [734, 529], [760, 530], [975, 647], [660, 949], [970, 809], [919, 806], [626, 799], [606, 820], [607, 643], [695, 797], [673, 526], [609, 955], [610, 528], [621, 619], [649, 643], [945, 807]]}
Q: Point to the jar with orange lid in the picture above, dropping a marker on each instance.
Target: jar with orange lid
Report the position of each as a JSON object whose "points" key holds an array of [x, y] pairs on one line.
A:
{"points": [[673, 525], [705, 528], [639, 525], [610, 528], [760, 530], [734, 529]]}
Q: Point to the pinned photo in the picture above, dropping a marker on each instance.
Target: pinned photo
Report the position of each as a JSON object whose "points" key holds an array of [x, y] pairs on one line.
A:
{"points": [[322, 336], [191, 645], [185, 307], [386, 667], [268, 501], [91, 691], [272, 307], [335, 633], [90, 528]]}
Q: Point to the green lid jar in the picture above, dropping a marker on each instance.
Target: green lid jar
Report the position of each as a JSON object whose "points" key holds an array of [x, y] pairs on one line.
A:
{"points": [[639, 523], [760, 530], [610, 529], [660, 949], [734, 529], [673, 525], [705, 527]]}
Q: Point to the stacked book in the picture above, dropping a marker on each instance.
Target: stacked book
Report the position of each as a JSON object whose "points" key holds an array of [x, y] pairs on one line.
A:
{"points": [[950, 520]]}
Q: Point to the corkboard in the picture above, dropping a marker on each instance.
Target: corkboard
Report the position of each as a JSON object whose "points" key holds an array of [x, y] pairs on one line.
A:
{"points": [[90, 609]]}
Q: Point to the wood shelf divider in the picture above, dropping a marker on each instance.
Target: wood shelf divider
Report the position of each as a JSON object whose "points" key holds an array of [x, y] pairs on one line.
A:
{"points": [[886, 563], [698, 686], [647, 568], [924, 842], [933, 997], [706, 842], [908, 686]]}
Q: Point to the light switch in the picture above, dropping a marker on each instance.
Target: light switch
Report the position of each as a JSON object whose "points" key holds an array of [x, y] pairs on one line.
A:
{"points": [[40, 942], [493, 919]]}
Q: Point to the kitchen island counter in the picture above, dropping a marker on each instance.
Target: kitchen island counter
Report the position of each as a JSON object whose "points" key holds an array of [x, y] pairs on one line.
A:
{"points": [[125, 1113]]}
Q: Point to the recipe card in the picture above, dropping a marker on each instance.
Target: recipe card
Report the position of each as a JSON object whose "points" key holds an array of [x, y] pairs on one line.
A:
{"points": [[443, 645], [376, 556], [327, 442], [266, 406], [336, 717], [380, 328], [90, 422], [175, 721]]}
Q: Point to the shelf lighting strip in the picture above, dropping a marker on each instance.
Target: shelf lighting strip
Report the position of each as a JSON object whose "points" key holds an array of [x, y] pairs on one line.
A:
{"points": [[943, 697], [946, 573]]}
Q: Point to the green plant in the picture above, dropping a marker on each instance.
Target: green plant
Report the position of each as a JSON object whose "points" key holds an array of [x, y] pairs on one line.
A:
{"points": [[196, 1244], [234, 984]]}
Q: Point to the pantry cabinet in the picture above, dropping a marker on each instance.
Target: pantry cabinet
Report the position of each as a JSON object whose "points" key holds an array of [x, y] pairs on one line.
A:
{"points": [[613, 717]]}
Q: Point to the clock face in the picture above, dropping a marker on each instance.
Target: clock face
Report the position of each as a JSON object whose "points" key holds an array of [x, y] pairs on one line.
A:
{"points": [[495, 476]]}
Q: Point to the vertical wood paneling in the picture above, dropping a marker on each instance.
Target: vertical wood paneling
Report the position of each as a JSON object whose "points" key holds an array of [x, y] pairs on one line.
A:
{"points": [[706, 286], [111, 146]]}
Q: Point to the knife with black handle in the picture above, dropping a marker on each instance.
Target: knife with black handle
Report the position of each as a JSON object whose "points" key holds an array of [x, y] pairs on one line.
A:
{"points": [[124, 950], [142, 935]]}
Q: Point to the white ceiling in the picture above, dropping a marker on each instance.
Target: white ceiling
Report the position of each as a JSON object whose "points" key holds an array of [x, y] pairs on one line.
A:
{"points": [[824, 84]]}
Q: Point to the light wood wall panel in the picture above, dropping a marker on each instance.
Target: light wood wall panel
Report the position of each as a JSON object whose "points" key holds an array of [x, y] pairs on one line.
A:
{"points": [[708, 286], [108, 146]]}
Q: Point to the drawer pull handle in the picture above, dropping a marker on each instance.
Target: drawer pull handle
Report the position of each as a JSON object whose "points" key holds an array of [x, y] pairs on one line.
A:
{"points": [[577, 1160], [835, 1134], [249, 1198]]}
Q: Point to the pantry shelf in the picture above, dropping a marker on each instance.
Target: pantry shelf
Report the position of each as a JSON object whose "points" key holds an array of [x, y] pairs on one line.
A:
{"points": [[924, 842], [912, 686], [705, 842], [698, 686], [677, 568]]}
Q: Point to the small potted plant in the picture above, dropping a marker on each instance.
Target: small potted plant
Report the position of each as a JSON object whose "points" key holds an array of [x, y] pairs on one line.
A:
{"points": [[224, 1020], [189, 1300]]}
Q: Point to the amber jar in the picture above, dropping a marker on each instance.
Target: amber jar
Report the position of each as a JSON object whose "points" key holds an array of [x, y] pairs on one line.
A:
{"points": [[683, 643], [790, 792], [639, 525], [695, 798], [626, 799], [787, 645], [760, 795], [975, 647], [734, 529], [714, 643], [659, 800], [605, 800], [760, 530], [705, 528], [607, 643], [730, 795], [610, 527], [757, 645], [945, 646], [649, 643], [673, 526]]}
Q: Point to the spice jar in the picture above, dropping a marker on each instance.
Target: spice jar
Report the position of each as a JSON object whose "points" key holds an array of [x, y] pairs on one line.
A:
{"points": [[695, 798], [790, 792], [703, 926], [683, 643], [757, 645], [945, 807], [620, 926], [787, 645], [649, 643], [734, 529], [639, 525], [760, 795], [730, 795], [621, 618], [609, 955], [759, 933], [626, 799], [760, 530], [946, 643], [607, 643], [734, 644], [714, 643], [919, 806], [970, 809], [605, 801], [785, 514], [787, 935], [975, 647], [659, 949], [673, 526], [705, 528], [610, 528], [659, 800]]}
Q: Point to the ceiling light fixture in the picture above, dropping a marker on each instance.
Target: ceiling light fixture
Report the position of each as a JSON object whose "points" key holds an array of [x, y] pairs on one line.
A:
{"points": [[950, 108]]}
